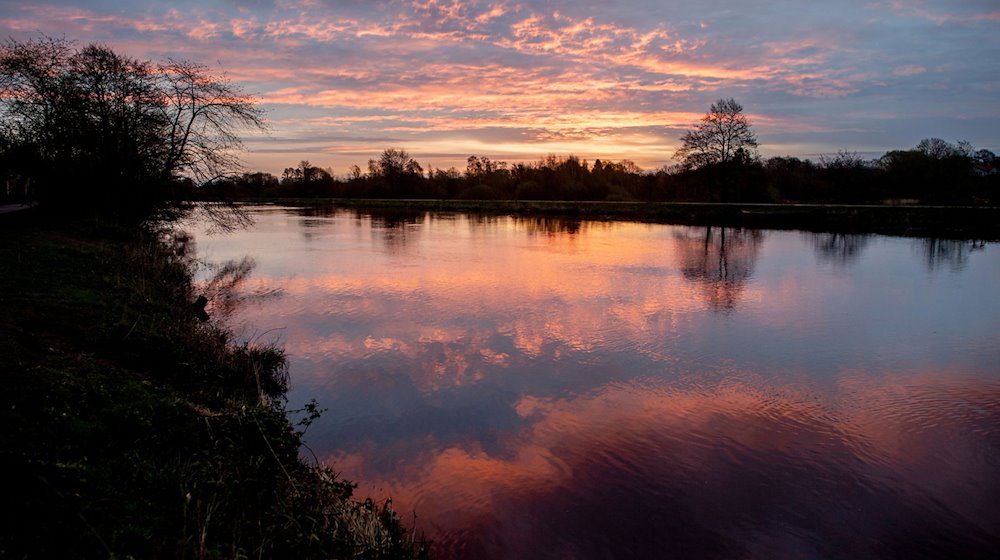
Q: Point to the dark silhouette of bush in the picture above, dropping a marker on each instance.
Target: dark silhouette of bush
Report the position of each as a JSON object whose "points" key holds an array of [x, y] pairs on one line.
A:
{"points": [[935, 172], [94, 129]]}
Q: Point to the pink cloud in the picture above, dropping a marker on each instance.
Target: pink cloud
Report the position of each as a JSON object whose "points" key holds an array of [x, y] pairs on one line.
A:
{"points": [[579, 73], [909, 70], [917, 10]]}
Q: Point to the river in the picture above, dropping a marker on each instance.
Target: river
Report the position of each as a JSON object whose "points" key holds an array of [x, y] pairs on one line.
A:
{"points": [[547, 388]]}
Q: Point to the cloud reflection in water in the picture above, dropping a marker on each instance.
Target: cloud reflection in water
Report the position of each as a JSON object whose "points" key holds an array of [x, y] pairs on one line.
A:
{"points": [[541, 389]]}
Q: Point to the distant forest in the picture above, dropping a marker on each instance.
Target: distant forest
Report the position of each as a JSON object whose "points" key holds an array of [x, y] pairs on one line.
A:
{"points": [[933, 172]]}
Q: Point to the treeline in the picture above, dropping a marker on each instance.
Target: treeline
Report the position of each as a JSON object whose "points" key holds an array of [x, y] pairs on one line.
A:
{"points": [[933, 172]]}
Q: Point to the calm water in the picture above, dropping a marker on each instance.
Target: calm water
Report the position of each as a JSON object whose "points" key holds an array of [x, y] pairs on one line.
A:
{"points": [[537, 388]]}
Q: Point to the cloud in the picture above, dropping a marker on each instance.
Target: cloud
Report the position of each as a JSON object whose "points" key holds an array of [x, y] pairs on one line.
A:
{"points": [[909, 70], [943, 13], [584, 70]]}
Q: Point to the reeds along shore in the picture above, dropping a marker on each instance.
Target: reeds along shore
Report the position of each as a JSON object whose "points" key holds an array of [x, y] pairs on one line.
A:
{"points": [[133, 429]]}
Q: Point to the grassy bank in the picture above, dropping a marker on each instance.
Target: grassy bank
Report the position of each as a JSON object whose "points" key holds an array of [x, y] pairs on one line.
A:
{"points": [[132, 429], [981, 222]]}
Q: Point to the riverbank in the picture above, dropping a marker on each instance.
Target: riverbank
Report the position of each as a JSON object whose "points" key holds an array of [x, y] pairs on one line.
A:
{"points": [[132, 429], [979, 222]]}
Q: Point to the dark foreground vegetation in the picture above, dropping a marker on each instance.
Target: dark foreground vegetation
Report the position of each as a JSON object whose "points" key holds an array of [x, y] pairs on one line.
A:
{"points": [[87, 128], [133, 429]]}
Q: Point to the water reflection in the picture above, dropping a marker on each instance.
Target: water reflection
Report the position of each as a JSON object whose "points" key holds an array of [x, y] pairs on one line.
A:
{"points": [[317, 211], [391, 219], [548, 225], [952, 253], [719, 468], [314, 218], [227, 288], [720, 260], [541, 390], [223, 284], [840, 249]]}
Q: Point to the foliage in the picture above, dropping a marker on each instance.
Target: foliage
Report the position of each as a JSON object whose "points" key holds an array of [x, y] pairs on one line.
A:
{"points": [[92, 128], [552, 178], [135, 430], [395, 170], [844, 177], [938, 172]]}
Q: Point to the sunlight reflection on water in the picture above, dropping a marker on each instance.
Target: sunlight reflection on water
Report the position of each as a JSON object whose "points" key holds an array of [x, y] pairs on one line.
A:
{"points": [[542, 388]]}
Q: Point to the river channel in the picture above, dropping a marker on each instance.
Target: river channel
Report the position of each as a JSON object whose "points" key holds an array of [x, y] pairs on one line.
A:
{"points": [[548, 388]]}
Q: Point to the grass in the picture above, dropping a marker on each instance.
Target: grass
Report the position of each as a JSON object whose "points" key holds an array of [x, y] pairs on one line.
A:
{"points": [[131, 429]]}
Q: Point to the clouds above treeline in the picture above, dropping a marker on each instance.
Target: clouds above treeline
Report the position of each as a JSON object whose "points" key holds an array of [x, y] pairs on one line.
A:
{"points": [[518, 80]]}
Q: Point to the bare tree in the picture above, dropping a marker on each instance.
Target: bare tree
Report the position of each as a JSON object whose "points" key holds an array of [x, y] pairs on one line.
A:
{"points": [[942, 149], [206, 113], [87, 122], [94, 127], [937, 148], [394, 163], [722, 136]]}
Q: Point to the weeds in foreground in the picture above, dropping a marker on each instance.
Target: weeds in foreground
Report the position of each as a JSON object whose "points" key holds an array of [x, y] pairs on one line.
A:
{"points": [[132, 429]]}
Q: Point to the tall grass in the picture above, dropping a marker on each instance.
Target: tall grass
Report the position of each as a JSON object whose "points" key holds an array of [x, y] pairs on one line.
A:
{"points": [[133, 429]]}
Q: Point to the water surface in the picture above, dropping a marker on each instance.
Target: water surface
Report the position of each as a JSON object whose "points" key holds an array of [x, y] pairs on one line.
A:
{"points": [[540, 388]]}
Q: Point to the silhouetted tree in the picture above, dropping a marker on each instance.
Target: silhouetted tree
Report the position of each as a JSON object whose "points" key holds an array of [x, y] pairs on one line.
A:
{"points": [[722, 136], [486, 179], [941, 149], [720, 154], [846, 177], [395, 173], [934, 172], [98, 128], [791, 178], [206, 114], [307, 179], [306, 172], [84, 119], [258, 182], [393, 163]]}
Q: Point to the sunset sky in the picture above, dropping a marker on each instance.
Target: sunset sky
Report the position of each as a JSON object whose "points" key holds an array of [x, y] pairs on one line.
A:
{"points": [[341, 80]]}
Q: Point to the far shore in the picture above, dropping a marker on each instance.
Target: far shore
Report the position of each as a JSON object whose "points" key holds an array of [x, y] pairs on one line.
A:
{"points": [[967, 222]]}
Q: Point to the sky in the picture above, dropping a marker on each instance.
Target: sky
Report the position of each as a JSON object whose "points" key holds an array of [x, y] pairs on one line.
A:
{"points": [[342, 80]]}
